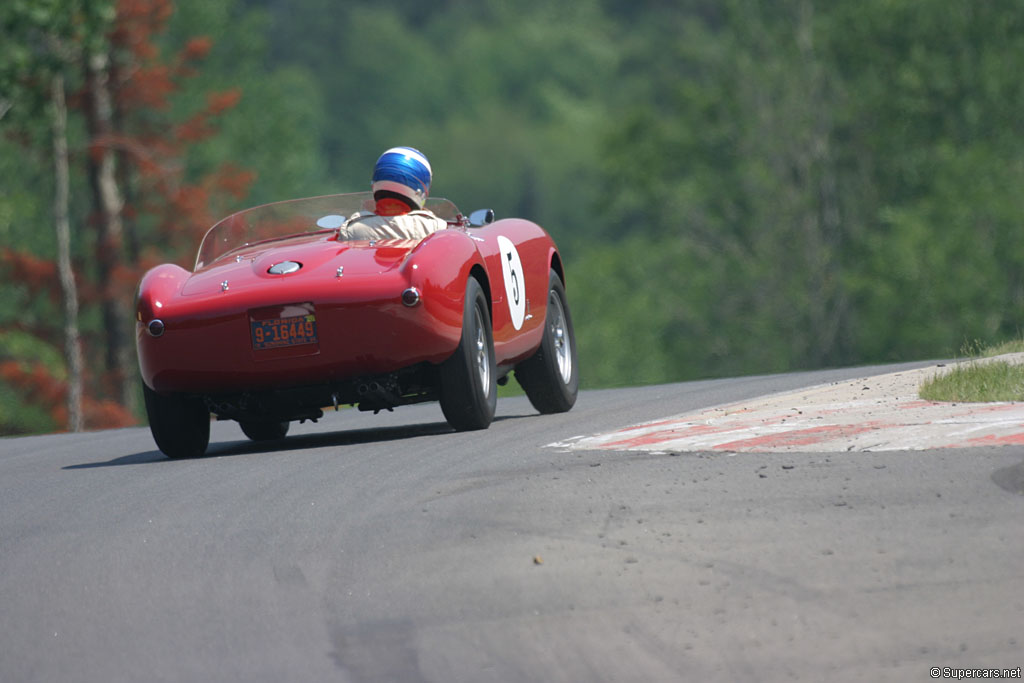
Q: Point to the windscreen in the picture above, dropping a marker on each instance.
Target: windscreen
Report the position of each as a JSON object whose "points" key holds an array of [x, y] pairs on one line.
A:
{"points": [[294, 217]]}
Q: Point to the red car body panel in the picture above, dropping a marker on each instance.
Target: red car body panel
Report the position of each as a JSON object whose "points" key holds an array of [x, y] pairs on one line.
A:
{"points": [[353, 291]]}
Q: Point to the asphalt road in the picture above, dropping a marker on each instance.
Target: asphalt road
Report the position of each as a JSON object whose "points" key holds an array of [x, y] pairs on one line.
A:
{"points": [[388, 548]]}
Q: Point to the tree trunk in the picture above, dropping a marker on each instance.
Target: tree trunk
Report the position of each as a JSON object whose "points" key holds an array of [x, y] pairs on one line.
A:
{"points": [[109, 202], [68, 290], [125, 176]]}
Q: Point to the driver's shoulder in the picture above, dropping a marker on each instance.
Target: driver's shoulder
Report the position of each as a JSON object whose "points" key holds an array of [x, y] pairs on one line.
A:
{"points": [[359, 215]]}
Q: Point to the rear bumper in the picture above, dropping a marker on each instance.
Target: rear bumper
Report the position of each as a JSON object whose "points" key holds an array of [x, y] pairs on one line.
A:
{"points": [[207, 346]]}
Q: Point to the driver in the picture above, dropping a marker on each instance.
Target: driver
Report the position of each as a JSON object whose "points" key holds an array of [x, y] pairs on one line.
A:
{"points": [[401, 181]]}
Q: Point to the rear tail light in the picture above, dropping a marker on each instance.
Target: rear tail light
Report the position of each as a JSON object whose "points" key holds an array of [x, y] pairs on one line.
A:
{"points": [[411, 297]]}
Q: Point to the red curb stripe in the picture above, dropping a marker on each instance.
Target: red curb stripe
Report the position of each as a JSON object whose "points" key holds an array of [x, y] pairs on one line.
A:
{"points": [[993, 440], [798, 437], [663, 436]]}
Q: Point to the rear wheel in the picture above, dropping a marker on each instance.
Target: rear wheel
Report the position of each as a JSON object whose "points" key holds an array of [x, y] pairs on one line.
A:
{"points": [[550, 377], [265, 430], [180, 424], [469, 392]]}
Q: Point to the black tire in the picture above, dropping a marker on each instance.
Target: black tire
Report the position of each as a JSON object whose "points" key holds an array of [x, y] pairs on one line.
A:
{"points": [[265, 430], [180, 425], [550, 377], [469, 391]]}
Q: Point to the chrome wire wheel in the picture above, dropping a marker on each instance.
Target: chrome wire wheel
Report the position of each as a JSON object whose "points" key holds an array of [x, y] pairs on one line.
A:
{"points": [[550, 377], [562, 341]]}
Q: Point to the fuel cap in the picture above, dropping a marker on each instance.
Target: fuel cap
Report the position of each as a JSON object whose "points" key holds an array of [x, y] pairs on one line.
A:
{"points": [[284, 267]]}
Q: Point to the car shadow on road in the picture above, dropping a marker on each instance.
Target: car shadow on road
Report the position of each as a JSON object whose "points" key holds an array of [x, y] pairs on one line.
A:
{"points": [[351, 437]]}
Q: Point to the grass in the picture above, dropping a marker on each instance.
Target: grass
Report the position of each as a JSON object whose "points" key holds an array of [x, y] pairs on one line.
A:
{"points": [[980, 381], [1015, 346]]}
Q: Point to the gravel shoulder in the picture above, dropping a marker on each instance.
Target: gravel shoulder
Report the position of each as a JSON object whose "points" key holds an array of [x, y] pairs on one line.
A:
{"points": [[873, 413]]}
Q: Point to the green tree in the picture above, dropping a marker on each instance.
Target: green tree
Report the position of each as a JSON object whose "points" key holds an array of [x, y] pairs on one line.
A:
{"points": [[726, 158], [119, 156], [278, 128], [935, 126], [842, 175], [44, 45]]}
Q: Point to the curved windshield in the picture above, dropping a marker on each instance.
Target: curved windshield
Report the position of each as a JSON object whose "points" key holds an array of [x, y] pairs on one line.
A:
{"points": [[294, 217]]}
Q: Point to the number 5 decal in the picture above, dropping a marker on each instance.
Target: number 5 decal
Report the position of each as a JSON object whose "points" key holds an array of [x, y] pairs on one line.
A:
{"points": [[515, 285]]}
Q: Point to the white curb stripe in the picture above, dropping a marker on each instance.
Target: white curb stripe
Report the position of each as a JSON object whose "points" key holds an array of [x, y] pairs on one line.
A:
{"points": [[880, 413]]}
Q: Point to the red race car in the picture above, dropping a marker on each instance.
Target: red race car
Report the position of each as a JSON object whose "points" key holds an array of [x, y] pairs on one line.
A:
{"points": [[280, 319]]}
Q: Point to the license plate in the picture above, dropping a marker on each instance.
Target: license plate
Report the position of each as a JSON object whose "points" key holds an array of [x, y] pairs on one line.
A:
{"points": [[277, 332]]}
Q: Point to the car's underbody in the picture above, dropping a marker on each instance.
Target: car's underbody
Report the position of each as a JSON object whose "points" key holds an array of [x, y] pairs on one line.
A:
{"points": [[382, 392]]}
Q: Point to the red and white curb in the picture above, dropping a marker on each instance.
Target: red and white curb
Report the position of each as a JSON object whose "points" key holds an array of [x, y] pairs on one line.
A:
{"points": [[880, 413]]}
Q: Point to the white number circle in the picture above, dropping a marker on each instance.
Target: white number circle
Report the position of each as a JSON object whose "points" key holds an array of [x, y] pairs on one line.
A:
{"points": [[515, 283]]}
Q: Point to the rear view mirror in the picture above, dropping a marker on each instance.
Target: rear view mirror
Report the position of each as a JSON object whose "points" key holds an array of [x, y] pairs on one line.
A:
{"points": [[481, 217]]}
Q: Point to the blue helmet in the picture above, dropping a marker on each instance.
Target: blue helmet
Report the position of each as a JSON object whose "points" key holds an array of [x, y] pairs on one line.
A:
{"points": [[405, 172]]}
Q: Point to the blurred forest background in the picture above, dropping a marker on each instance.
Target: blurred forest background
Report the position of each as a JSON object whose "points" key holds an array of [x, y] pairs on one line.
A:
{"points": [[738, 186]]}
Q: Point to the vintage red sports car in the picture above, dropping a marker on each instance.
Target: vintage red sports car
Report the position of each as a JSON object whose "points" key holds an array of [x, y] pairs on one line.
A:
{"points": [[281, 319]]}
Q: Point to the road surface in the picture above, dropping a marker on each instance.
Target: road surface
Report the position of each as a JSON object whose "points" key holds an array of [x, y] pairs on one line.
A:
{"points": [[388, 548]]}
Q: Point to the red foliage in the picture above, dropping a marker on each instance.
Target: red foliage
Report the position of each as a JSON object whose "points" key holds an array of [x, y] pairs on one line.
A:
{"points": [[150, 257], [234, 180], [148, 87], [100, 414], [137, 22], [195, 129], [219, 102], [156, 146], [201, 125], [27, 269], [152, 150], [125, 278], [34, 382], [190, 213], [39, 387], [197, 48]]}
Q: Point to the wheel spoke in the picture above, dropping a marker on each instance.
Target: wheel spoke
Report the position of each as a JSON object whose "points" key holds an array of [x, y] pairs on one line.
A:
{"points": [[563, 348], [483, 364]]}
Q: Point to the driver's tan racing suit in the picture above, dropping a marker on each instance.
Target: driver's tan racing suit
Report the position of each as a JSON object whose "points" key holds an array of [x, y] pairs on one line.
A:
{"points": [[413, 225]]}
